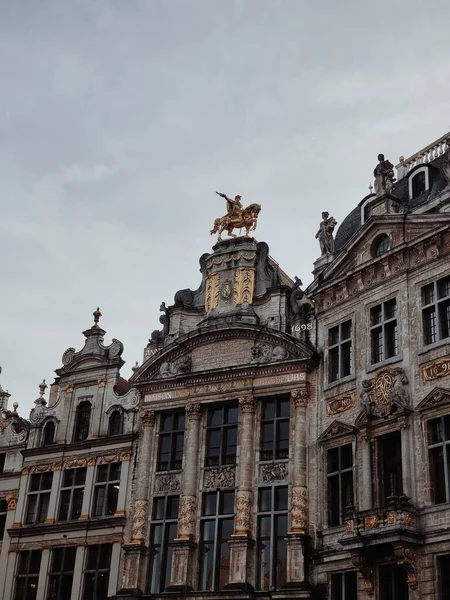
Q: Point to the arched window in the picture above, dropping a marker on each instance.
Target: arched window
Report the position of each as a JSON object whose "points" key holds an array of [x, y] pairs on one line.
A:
{"points": [[82, 421], [48, 436], [381, 244], [115, 423], [418, 184]]}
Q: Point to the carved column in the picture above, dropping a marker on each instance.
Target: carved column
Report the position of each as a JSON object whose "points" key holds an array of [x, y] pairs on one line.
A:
{"points": [[299, 495], [241, 542], [365, 487], [135, 549], [183, 568]]}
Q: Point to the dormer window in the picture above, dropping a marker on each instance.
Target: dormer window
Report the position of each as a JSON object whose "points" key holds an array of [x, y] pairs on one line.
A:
{"points": [[48, 436], [381, 245], [115, 425], [419, 182], [82, 421]]}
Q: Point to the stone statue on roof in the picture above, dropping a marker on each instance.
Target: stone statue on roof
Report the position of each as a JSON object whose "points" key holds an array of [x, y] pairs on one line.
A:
{"points": [[384, 176], [325, 234], [237, 217]]}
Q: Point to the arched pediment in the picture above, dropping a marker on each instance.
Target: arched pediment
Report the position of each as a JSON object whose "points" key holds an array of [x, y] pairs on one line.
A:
{"points": [[218, 348]]}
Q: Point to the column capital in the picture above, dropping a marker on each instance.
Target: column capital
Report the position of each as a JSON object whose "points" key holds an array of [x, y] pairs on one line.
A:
{"points": [[247, 403], [301, 396], [11, 500], [194, 411], [148, 418]]}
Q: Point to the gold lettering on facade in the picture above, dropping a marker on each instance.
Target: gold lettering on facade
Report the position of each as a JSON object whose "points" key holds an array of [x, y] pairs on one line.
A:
{"points": [[212, 291], [437, 369], [341, 404]]}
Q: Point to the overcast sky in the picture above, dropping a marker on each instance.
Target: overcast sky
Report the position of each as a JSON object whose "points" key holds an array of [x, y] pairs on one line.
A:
{"points": [[119, 120]]}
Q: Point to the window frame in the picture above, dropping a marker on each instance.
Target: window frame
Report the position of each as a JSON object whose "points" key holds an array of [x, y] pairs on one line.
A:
{"points": [[60, 574], [381, 476], [445, 445], [381, 245], [27, 576], [3, 516], [336, 349], [339, 475], [224, 429], [159, 577], [276, 453], [73, 490], [425, 169], [434, 308], [274, 514], [113, 426], [219, 518], [382, 328], [344, 593], [82, 423], [39, 496], [2, 462], [105, 485], [45, 442], [173, 463], [97, 571]]}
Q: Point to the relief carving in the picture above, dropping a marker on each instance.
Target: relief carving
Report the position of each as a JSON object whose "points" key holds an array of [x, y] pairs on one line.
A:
{"points": [[386, 393], [148, 418], [437, 369], [167, 483], [181, 366], [276, 472], [140, 518], [244, 285], [247, 404], [11, 500], [243, 518], [194, 411], [212, 291], [301, 396], [186, 522], [341, 404], [264, 353], [299, 510], [222, 477]]}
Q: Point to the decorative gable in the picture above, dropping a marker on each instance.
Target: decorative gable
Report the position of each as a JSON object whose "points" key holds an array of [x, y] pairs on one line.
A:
{"points": [[437, 397], [337, 429]]}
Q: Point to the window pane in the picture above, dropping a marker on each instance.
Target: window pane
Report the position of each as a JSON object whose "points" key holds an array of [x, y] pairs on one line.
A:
{"points": [[437, 475], [172, 507], [80, 476], [232, 416], [346, 359], [375, 315], [210, 503], [227, 502], [35, 482], [47, 479], [167, 422], [216, 416], [209, 530], [102, 473], [158, 508], [333, 335], [444, 319], [268, 409], [105, 556], [429, 325], [428, 294], [281, 498], [346, 456], [390, 309], [265, 499], [346, 330], [443, 286], [284, 408], [391, 339], [333, 364], [332, 460]]}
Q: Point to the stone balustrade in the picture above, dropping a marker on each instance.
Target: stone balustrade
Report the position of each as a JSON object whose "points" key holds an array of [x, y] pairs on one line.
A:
{"points": [[426, 155]]}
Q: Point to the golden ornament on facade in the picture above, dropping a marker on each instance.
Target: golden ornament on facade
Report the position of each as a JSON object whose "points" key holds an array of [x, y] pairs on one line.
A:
{"points": [[212, 291], [237, 217], [436, 369], [341, 404], [244, 285]]}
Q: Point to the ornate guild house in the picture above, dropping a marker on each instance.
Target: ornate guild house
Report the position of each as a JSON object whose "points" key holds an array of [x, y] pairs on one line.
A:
{"points": [[275, 443]]}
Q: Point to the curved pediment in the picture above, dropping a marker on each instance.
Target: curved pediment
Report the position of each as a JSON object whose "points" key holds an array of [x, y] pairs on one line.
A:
{"points": [[221, 348]]}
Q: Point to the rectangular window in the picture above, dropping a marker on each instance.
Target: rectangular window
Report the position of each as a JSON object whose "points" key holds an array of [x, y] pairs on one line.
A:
{"points": [[272, 532], [389, 448], [61, 573], [439, 458], [3, 511], [444, 577], [72, 491], [275, 427], [436, 311], [38, 497], [171, 440], [106, 490], [393, 584], [340, 360], [343, 586], [383, 331], [221, 435], [27, 575], [163, 531], [216, 527], [339, 483], [96, 572], [2, 462]]}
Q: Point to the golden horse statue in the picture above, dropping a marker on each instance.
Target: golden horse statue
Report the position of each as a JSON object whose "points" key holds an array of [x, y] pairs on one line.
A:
{"points": [[237, 217]]}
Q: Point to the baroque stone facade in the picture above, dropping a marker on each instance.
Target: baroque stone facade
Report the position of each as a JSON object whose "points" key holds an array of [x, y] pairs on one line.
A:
{"points": [[275, 442]]}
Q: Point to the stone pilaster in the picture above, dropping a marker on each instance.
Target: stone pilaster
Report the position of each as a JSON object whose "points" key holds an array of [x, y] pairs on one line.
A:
{"points": [[299, 494], [241, 544], [135, 555], [365, 488], [183, 568]]}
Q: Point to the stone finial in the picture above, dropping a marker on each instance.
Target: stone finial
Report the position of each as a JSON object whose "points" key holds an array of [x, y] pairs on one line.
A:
{"points": [[135, 367], [97, 314], [42, 387], [401, 159], [370, 188]]}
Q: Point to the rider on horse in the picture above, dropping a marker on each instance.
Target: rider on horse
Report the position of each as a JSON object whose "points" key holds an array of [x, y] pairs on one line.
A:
{"points": [[234, 207]]}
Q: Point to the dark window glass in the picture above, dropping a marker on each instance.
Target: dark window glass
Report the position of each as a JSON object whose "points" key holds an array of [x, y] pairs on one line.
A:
{"points": [[106, 490], [48, 436], [275, 428], [82, 421], [171, 440], [221, 436], [340, 359], [163, 531], [38, 497], [3, 511], [343, 586], [384, 331], [27, 576], [340, 483], [418, 185], [61, 573], [393, 582], [2, 462], [115, 426], [381, 245], [390, 466], [72, 491], [216, 527], [436, 311], [439, 458], [96, 573], [444, 577]]}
